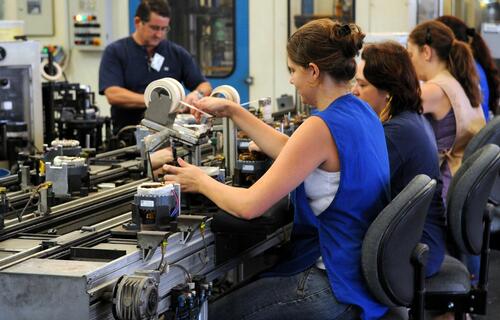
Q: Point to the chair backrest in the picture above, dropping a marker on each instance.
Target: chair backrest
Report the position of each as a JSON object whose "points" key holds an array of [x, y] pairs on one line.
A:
{"points": [[489, 134], [390, 241], [468, 195]]}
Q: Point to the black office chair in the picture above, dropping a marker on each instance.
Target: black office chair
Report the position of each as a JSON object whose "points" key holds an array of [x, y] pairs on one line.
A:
{"points": [[393, 260], [489, 134], [469, 219]]}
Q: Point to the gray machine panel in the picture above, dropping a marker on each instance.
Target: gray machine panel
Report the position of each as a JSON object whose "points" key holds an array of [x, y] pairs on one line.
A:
{"points": [[48, 289], [21, 94]]}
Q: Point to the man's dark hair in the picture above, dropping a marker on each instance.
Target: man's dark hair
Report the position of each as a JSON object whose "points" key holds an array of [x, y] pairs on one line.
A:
{"points": [[160, 7]]}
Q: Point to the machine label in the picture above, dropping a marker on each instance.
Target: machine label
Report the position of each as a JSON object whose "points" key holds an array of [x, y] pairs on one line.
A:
{"points": [[147, 203], [244, 144], [248, 167]]}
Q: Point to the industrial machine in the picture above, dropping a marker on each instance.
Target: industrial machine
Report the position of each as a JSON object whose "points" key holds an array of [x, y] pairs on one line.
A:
{"points": [[250, 165], [103, 270], [70, 110], [21, 124], [125, 250]]}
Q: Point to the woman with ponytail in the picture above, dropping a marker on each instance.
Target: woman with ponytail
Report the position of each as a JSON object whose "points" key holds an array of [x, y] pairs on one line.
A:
{"points": [[387, 80], [450, 92], [487, 71]]}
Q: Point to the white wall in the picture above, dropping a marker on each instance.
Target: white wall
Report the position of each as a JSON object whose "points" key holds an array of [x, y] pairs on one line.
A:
{"points": [[268, 38], [386, 15], [84, 65]]}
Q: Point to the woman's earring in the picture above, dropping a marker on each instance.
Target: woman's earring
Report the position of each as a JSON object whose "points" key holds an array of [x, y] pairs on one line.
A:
{"points": [[385, 115]]}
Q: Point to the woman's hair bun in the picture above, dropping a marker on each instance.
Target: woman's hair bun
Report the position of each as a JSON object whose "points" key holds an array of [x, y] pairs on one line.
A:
{"points": [[349, 37]]}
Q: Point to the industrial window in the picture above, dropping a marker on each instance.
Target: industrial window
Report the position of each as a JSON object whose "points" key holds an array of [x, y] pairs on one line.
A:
{"points": [[303, 11], [206, 30]]}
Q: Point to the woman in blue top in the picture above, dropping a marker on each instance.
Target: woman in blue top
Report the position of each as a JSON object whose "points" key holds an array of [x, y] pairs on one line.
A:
{"points": [[335, 165], [387, 80], [485, 65]]}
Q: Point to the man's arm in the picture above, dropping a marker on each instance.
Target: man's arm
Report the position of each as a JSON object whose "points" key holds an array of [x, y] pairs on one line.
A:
{"points": [[204, 89], [123, 97]]}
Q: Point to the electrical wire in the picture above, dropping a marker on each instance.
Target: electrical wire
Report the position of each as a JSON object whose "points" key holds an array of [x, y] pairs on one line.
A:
{"points": [[188, 275], [175, 212], [162, 267], [32, 196], [204, 260]]}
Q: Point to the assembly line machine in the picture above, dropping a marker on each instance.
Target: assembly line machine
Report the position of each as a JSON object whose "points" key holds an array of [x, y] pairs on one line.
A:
{"points": [[97, 237]]}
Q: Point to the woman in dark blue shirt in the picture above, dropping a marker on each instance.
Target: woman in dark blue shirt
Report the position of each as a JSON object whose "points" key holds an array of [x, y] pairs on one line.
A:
{"points": [[387, 80]]}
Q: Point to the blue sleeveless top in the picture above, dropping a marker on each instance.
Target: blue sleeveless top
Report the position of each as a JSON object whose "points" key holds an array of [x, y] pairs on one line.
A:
{"points": [[337, 233], [485, 91]]}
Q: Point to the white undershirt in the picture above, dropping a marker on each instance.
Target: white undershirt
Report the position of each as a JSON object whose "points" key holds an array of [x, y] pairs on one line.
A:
{"points": [[321, 187]]}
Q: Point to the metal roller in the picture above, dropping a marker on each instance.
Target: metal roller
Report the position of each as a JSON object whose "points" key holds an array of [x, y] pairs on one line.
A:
{"points": [[226, 92], [169, 87]]}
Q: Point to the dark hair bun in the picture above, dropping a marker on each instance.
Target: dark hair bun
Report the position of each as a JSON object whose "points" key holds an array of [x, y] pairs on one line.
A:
{"points": [[348, 37]]}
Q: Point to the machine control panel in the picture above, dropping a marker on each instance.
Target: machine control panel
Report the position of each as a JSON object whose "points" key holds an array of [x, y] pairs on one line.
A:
{"points": [[91, 24]]}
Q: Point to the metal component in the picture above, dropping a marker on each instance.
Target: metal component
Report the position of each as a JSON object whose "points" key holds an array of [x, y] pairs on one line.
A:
{"points": [[68, 175], [4, 205], [59, 149], [230, 147], [135, 298], [44, 195], [149, 241], [159, 118], [25, 174], [158, 110], [87, 229], [451, 305], [188, 224]]}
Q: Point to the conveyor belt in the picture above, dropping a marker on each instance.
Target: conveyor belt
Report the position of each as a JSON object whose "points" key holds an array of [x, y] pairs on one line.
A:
{"points": [[73, 212]]}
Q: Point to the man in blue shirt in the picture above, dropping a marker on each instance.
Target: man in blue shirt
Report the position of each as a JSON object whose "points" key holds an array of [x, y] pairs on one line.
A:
{"points": [[128, 65]]}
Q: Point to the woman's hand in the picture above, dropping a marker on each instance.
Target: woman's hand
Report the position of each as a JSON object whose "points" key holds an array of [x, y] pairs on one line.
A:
{"points": [[187, 175], [218, 107]]}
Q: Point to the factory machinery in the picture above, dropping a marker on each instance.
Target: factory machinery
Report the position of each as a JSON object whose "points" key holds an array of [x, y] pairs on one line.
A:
{"points": [[139, 250]]}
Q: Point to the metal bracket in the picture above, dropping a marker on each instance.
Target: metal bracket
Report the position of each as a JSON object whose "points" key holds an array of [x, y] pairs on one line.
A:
{"points": [[188, 224], [149, 241]]}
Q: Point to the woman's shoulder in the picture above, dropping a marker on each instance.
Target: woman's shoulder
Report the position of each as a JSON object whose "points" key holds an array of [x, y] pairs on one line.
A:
{"points": [[407, 125]]}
